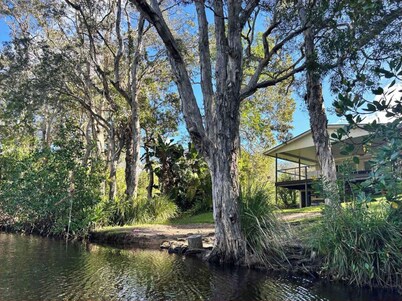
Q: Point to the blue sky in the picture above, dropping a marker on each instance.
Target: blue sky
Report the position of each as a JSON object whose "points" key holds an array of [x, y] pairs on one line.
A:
{"points": [[300, 117], [4, 31]]}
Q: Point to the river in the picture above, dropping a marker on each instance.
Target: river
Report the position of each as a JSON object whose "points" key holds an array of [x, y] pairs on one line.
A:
{"points": [[35, 268]]}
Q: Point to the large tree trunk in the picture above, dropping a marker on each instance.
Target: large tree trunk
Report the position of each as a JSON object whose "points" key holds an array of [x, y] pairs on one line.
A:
{"points": [[218, 141], [229, 242], [318, 117], [133, 146]]}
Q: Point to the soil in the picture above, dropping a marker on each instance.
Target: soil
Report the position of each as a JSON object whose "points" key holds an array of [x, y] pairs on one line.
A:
{"points": [[153, 236], [298, 216]]}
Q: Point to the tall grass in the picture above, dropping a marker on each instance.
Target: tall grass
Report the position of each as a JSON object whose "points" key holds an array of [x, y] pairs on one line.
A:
{"points": [[361, 246], [263, 232], [159, 209]]}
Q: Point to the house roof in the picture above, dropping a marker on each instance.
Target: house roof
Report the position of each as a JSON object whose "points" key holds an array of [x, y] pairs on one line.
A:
{"points": [[301, 147]]}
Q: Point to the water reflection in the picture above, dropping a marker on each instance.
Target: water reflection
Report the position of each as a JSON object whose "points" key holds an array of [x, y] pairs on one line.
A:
{"points": [[34, 268]]}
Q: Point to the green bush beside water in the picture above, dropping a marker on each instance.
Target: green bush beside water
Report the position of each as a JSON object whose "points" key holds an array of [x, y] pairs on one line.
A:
{"points": [[40, 189], [361, 246]]}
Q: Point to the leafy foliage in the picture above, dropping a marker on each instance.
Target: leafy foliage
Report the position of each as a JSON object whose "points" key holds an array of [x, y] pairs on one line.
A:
{"points": [[183, 175], [384, 140], [361, 247], [159, 209], [39, 187]]}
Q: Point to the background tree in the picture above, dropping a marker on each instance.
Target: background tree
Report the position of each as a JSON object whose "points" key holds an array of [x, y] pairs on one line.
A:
{"points": [[339, 35]]}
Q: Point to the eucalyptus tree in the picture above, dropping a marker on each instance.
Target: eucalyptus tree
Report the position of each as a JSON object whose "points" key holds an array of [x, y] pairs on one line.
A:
{"points": [[115, 56], [224, 86], [58, 76]]}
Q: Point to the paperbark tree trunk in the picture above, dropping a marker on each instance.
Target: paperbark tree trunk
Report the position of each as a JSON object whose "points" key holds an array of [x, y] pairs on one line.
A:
{"points": [[216, 136], [229, 245], [133, 154], [148, 166], [318, 117]]}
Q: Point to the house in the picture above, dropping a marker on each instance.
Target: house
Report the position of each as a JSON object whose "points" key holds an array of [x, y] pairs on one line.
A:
{"points": [[300, 155]]}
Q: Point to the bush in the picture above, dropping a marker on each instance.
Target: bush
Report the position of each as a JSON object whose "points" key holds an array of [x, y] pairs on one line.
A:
{"points": [[159, 209], [361, 246], [263, 232], [41, 188]]}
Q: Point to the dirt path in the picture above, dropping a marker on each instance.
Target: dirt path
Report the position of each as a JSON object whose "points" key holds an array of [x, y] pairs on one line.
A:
{"points": [[155, 235], [151, 236], [172, 231], [288, 217]]}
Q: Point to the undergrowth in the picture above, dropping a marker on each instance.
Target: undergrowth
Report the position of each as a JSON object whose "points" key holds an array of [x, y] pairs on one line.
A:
{"points": [[360, 246], [262, 230]]}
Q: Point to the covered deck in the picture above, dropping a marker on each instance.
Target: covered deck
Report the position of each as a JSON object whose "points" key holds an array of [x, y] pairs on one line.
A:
{"points": [[302, 164]]}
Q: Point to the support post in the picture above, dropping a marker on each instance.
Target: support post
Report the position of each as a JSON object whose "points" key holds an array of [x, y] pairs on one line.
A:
{"points": [[305, 185], [299, 170], [276, 179]]}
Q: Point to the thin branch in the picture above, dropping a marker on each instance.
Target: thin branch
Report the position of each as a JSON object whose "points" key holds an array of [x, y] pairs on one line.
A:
{"points": [[248, 91], [247, 11]]}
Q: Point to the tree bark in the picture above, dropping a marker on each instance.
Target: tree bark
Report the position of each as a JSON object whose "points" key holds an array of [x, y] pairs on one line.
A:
{"points": [[130, 170], [133, 146], [113, 158], [220, 146], [148, 166], [229, 242], [318, 117], [216, 137]]}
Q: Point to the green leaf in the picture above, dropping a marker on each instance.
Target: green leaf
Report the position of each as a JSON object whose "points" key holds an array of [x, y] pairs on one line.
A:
{"points": [[394, 156], [378, 91], [356, 160]]}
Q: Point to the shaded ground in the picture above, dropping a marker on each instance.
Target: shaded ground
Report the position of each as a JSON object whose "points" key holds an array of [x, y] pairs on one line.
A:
{"points": [[155, 235], [150, 235]]}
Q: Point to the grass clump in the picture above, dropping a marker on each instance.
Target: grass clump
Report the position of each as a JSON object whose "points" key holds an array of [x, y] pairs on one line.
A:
{"points": [[263, 232], [157, 210], [361, 246]]}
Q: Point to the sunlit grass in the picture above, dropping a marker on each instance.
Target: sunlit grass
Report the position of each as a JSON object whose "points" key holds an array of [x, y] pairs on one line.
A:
{"points": [[310, 209], [202, 218], [207, 217]]}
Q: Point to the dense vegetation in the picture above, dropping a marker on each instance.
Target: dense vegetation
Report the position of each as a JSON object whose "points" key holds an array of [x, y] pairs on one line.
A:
{"points": [[96, 98]]}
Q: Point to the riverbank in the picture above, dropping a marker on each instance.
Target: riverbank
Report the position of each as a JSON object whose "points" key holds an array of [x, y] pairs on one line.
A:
{"points": [[153, 236], [300, 259]]}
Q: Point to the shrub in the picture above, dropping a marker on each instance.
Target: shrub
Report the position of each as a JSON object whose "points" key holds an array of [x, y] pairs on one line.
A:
{"points": [[263, 232], [361, 246], [36, 192], [159, 209]]}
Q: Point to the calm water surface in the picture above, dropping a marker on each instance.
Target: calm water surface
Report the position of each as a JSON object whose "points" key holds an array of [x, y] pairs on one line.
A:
{"points": [[33, 268]]}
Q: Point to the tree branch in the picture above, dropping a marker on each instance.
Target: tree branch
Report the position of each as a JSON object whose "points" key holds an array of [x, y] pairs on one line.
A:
{"points": [[247, 11], [267, 83], [205, 61], [191, 111]]}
